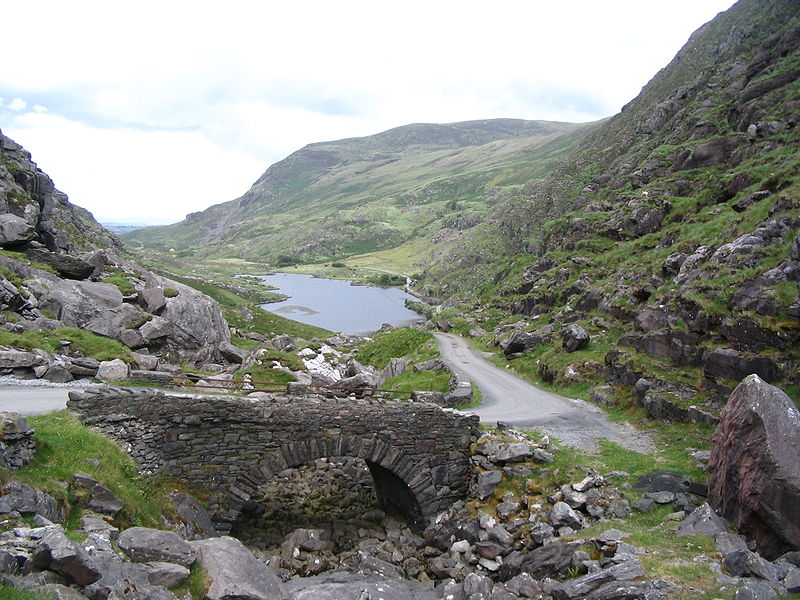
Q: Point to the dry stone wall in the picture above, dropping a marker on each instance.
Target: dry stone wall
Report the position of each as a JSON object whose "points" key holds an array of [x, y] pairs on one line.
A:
{"points": [[418, 453]]}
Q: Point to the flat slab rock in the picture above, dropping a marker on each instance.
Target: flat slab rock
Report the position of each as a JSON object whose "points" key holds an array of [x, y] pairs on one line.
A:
{"points": [[142, 544], [347, 586]]}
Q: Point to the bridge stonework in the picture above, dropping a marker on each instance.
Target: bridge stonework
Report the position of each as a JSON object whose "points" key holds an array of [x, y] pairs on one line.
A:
{"points": [[418, 453]]}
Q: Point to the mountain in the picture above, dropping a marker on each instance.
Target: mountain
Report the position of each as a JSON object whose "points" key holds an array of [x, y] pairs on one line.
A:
{"points": [[334, 199], [670, 234]]}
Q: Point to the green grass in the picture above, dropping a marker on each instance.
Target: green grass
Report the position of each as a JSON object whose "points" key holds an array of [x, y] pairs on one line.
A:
{"points": [[11, 593], [86, 342], [669, 557], [265, 374], [413, 344], [122, 282], [785, 292], [196, 585], [410, 381], [65, 447]]}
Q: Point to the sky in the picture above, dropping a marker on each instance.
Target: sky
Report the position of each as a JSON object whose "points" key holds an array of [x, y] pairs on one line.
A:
{"points": [[144, 112]]}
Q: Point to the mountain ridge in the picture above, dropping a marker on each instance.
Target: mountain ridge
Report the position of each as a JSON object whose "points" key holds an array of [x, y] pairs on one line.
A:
{"points": [[375, 176]]}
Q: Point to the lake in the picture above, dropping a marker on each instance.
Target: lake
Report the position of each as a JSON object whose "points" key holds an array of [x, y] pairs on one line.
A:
{"points": [[336, 305]]}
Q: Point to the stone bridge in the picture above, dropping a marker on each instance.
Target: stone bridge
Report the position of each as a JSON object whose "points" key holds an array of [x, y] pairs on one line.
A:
{"points": [[418, 453]]}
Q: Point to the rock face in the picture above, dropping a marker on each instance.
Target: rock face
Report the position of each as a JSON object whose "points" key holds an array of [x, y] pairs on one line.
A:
{"points": [[754, 468]]}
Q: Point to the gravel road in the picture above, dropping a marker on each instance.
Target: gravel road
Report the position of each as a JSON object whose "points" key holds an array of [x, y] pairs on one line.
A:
{"points": [[512, 400], [33, 400]]}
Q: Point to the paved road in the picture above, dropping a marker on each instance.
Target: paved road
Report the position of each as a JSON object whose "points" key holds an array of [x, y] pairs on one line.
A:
{"points": [[512, 400], [30, 400]]}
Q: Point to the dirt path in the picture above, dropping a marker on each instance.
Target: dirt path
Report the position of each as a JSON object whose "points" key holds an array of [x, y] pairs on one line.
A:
{"points": [[509, 399]]}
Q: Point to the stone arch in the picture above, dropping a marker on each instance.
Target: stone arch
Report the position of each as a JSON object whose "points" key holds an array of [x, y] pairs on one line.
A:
{"points": [[401, 485]]}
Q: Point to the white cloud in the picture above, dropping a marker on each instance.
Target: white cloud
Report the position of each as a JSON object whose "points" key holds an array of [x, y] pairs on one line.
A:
{"points": [[17, 104], [135, 176], [252, 82]]}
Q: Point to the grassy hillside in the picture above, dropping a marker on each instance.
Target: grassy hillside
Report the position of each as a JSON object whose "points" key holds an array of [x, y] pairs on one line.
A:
{"points": [[670, 233], [333, 200]]}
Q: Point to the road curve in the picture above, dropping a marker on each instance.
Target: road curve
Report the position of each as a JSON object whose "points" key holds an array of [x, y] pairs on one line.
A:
{"points": [[512, 400]]}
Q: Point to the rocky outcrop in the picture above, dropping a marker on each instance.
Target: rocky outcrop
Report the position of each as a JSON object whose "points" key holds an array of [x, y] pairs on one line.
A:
{"points": [[754, 478]]}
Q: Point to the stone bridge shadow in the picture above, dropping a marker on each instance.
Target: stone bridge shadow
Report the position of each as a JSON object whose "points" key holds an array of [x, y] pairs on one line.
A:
{"points": [[417, 453]]}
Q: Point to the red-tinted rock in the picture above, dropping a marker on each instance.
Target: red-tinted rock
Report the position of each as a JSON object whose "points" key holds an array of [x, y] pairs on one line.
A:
{"points": [[754, 469]]}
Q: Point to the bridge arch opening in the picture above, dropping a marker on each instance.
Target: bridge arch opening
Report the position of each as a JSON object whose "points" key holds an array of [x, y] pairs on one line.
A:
{"points": [[367, 473]]}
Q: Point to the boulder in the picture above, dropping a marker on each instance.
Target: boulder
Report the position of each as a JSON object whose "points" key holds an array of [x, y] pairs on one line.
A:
{"points": [[517, 342], [731, 364], [74, 302], [235, 572], [672, 264], [66, 265], [486, 483], [702, 520], [58, 553], [547, 561], [574, 338], [432, 397], [366, 564], [16, 359], [194, 521], [232, 353], [744, 563], [517, 452], [113, 370], [754, 477], [15, 231], [100, 498], [156, 328], [57, 373], [582, 587], [707, 153], [562, 514], [142, 544], [396, 366], [168, 575], [152, 299], [196, 319], [113, 322], [131, 589], [308, 540], [152, 377]]}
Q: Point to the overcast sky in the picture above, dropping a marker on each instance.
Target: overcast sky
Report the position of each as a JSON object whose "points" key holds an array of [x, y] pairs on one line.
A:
{"points": [[146, 111]]}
